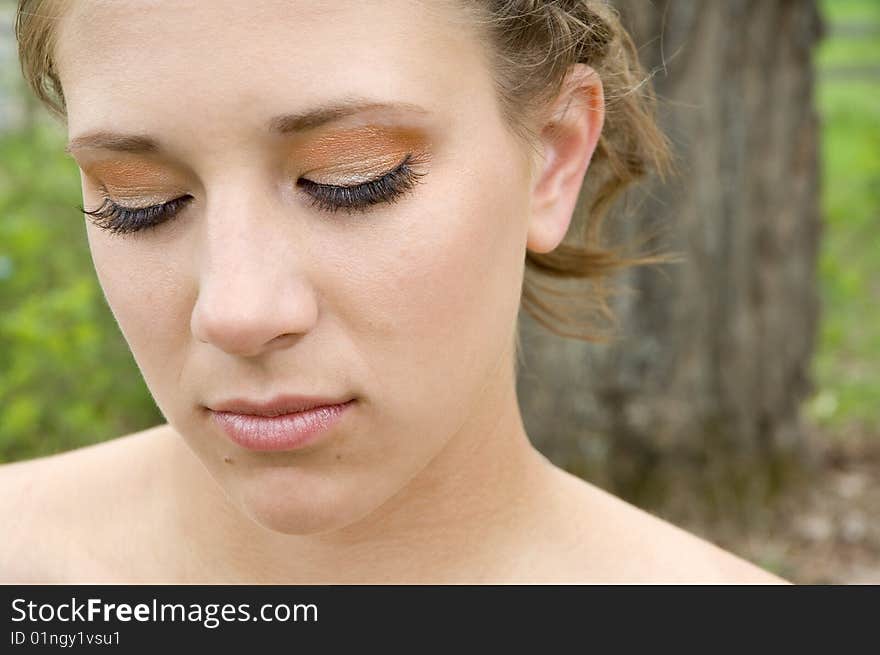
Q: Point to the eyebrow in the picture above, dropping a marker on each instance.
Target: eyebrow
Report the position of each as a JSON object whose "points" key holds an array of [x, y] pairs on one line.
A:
{"points": [[283, 124]]}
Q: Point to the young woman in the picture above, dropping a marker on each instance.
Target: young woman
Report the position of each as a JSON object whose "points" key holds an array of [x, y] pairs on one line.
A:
{"points": [[313, 220]]}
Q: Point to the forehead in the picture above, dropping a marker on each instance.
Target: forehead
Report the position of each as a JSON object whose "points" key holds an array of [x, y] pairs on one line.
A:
{"points": [[143, 64]]}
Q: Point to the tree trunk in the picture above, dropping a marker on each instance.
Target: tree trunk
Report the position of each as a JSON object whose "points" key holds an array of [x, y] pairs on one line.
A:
{"points": [[714, 356]]}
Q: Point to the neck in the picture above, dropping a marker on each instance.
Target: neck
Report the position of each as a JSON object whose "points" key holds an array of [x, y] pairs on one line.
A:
{"points": [[454, 521]]}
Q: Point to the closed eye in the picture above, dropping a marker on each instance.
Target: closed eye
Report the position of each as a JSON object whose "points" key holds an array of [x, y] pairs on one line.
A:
{"points": [[118, 219], [386, 188]]}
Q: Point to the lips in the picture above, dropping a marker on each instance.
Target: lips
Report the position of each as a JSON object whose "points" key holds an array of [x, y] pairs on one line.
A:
{"points": [[277, 406], [284, 423]]}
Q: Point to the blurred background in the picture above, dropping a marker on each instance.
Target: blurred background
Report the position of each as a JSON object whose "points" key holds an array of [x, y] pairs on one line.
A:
{"points": [[740, 397]]}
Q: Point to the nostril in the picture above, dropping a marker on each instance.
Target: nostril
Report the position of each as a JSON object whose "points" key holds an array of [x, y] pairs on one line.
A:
{"points": [[258, 320], [283, 340]]}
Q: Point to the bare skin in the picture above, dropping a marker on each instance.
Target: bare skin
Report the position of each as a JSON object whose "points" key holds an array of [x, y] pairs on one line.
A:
{"points": [[252, 291], [132, 510]]}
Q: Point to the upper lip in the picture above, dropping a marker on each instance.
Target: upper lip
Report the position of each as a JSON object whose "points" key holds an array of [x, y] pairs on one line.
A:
{"points": [[284, 404]]}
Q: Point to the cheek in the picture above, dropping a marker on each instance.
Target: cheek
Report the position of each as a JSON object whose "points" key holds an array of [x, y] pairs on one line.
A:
{"points": [[443, 297], [147, 298]]}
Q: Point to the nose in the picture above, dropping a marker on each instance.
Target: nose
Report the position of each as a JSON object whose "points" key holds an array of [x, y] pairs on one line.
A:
{"points": [[253, 291]]}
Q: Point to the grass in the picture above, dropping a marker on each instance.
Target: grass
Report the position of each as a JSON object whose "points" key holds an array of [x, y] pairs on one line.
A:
{"points": [[847, 363], [849, 51]]}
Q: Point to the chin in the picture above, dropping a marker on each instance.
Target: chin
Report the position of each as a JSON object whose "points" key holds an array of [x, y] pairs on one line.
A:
{"points": [[301, 507]]}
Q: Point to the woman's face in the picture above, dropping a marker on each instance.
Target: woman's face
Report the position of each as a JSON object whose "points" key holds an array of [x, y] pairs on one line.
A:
{"points": [[255, 289]]}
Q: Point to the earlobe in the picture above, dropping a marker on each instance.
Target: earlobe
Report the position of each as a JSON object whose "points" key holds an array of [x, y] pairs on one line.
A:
{"points": [[568, 139]]}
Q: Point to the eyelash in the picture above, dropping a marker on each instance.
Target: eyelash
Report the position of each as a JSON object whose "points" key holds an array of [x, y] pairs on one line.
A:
{"points": [[123, 220], [389, 188], [330, 198]]}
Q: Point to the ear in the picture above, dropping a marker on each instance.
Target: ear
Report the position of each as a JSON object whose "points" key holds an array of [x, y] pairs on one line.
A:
{"points": [[568, 138]]}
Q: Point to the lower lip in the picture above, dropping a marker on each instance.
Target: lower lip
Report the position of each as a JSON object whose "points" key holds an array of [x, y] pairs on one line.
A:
{"points": [[284, 432]]}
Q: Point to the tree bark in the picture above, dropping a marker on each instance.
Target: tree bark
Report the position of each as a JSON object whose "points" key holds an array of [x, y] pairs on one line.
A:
{"points": [[713, 360]]}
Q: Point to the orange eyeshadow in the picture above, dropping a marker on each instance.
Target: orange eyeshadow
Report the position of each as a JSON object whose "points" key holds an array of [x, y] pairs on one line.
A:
{"points": [[362, 150], [134, 179]]}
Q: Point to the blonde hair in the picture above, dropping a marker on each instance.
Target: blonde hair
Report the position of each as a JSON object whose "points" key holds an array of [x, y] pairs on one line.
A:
{"points": [[533, 44]]}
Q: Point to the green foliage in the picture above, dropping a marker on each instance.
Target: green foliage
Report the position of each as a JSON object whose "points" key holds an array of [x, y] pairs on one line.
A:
{"points": [[861, 12], [67, 377], [847, 365], [849, 51]]}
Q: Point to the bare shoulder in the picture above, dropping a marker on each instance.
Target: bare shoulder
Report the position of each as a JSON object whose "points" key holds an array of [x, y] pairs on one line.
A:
{"points": [[55, 508], [629, 545]]}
